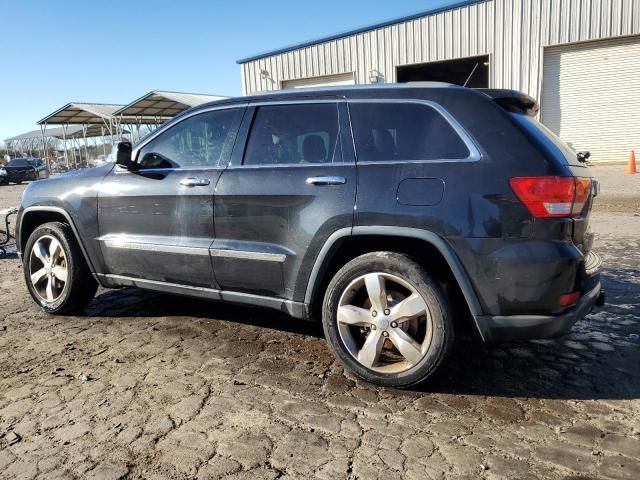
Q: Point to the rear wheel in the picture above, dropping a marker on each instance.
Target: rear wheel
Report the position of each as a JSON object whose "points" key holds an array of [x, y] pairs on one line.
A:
{"points": [[55, 271], [387, 320]]}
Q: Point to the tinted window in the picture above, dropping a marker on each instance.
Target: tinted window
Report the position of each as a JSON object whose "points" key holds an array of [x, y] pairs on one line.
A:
{"points": [[294, 134], [403, 131], [195, 142], [18, 162]]}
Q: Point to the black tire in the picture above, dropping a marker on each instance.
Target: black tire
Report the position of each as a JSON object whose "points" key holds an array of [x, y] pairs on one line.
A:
{"points": [[80, 286], [437, 318]]}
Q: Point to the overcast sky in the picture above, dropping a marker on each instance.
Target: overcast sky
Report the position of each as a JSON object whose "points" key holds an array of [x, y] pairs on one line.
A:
{"points": [[55, 52]]}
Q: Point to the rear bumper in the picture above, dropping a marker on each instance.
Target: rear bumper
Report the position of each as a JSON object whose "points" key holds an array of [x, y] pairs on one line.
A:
{"points": [[523, 327]]}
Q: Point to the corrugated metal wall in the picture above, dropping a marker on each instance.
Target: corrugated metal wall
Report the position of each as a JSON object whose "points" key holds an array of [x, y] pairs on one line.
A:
{"points": [[513, 32], [590, 96]]}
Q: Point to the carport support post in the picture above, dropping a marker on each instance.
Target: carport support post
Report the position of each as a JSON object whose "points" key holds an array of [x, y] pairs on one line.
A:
{"points": [[64, 143], [104, 148], [43, 129], [86, 150], [76, 146]]}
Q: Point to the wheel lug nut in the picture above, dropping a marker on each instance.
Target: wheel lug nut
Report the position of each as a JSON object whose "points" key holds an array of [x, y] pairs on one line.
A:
{"points": [[385, 334], [374, 314], [394, 324], [387, 311], [373, 327]]}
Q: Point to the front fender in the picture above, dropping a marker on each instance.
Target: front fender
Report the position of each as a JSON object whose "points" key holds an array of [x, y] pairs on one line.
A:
{"points": [[38, 214], [72, 196]]}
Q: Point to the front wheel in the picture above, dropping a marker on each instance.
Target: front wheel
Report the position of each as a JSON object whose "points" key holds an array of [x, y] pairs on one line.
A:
{"points": [[55, 271], [386, 320]]}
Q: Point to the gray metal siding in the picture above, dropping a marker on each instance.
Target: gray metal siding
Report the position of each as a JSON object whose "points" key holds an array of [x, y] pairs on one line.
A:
{"points": [[513, 32]]}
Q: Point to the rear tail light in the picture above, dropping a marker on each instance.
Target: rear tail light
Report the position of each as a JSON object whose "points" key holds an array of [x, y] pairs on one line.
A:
{"points": [[552, 197], [583, 189]]}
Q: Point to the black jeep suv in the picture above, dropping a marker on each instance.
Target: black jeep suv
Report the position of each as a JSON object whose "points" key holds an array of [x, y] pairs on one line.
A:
{"points": [[393, 213]]}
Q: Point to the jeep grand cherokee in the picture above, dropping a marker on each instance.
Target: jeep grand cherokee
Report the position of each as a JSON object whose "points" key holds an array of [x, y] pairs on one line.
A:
{"points": [[390, 213]]}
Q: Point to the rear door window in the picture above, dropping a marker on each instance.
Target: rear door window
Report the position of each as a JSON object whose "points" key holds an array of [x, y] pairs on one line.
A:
{"points": [[295, 134], [400, 131]]}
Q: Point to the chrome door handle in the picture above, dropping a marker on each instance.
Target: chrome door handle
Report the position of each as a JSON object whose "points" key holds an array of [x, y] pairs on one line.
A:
{"points": [[320, 181], [194, 182]]}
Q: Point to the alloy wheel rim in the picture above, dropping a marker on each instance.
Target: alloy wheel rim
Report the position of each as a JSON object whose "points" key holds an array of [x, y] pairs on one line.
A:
{"points": [[384, 323], [48, 270]]}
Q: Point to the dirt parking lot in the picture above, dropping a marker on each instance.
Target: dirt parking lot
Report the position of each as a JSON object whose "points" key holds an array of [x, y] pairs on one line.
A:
{"points": [[150, 386]]}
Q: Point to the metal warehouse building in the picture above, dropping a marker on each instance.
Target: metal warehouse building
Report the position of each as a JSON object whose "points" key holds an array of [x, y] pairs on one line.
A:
{"points": [[579, 58]]}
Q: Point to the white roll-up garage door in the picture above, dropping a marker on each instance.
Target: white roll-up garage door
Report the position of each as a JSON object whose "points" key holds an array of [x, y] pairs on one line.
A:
{"points": [[591, 96], [324, 81]]}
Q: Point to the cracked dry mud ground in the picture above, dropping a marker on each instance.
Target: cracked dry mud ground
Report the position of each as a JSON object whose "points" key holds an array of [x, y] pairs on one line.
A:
{"points": [[151, 386]]}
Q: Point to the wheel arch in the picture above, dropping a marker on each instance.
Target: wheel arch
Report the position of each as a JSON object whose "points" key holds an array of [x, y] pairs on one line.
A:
{"points": [[33, 217], [346, 244]]}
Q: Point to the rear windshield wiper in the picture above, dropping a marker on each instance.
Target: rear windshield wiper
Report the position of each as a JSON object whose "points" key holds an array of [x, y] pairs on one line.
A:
{"points": [[583, 156]]}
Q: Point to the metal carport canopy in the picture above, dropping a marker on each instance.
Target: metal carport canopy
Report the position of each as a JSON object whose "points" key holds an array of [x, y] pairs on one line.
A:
{"points": [[28, 135], [73, 131], [81, 114], [76, 131], [164, 105]]}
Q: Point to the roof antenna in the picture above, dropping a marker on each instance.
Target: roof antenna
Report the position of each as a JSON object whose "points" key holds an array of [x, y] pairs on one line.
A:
{"points": [[471, 74]]}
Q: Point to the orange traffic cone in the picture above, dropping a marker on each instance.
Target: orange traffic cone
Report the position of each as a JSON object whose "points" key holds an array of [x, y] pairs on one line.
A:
{"points": [[631, 166]]}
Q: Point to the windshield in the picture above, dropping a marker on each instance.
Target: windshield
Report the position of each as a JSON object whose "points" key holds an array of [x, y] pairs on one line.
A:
{"points": [[18, 162], [547, 138]]}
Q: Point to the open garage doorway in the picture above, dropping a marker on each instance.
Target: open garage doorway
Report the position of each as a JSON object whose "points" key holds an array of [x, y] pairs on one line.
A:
{"points": [[472, 70]]}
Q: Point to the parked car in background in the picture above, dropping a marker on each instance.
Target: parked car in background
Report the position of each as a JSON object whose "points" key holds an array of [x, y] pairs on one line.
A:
{"points": [[19, 170], [397, 215]]}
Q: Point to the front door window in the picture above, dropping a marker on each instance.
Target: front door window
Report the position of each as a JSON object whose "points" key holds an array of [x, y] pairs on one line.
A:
{"points": [[196, 142]]}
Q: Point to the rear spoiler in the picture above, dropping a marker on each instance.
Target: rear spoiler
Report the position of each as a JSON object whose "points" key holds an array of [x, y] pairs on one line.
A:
{"points": [[512, 100]]}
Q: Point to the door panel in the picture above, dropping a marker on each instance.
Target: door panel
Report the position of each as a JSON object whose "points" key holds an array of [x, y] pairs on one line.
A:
{"points": [[156, 222], [271, 222], [153, 227], [267, 220]]}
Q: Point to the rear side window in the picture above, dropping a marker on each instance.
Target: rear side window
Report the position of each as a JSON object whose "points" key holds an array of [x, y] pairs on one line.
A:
{"points": [[404, 131], [295, 134]]}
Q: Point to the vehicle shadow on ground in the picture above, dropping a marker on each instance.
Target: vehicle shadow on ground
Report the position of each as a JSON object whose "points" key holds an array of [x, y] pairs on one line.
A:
{"points": [[133, 302], [598, 360]]}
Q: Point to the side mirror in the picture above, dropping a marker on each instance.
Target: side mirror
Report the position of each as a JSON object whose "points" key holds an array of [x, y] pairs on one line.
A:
{"points": [[124, 156]]}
